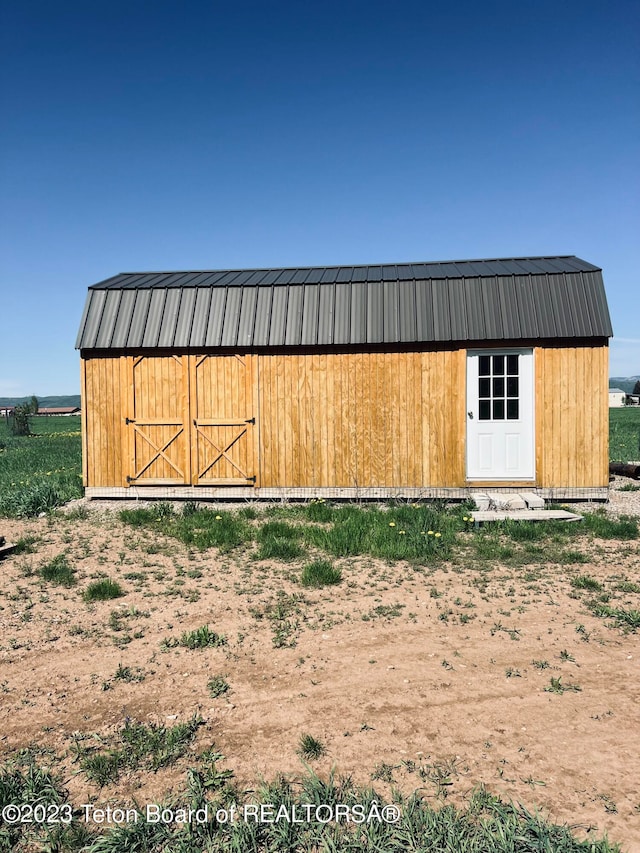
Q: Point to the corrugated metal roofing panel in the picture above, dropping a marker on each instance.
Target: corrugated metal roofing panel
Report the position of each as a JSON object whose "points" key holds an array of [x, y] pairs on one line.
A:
{"points": [[139, 318], [457, 303], [424, 311], [108, 319], [185, 315], [94, 315], [247, 316], [310, 315], [123, 320], [216, 317], [278, 321], [407, 314], [326, 313], [231, 319], [263, 316], [167, 334], [358, 319], [504, 298], [441, 315], [342, 324], [156, 308], [201, 316], [390, 312], [293, 330], [375, 308]]}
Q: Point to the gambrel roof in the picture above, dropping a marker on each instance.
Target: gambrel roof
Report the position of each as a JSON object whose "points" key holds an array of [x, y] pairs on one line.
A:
{"points": [[483, 300]]}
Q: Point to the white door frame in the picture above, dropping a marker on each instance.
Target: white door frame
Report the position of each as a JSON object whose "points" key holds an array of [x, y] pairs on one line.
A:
{"points": [[500, 415]]}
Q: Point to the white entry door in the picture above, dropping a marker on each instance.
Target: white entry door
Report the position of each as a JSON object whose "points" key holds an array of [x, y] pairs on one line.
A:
{"points": [[500, 415]]}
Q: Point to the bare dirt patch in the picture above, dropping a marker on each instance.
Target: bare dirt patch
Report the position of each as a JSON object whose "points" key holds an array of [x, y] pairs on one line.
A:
{"points": [[438, 678]]}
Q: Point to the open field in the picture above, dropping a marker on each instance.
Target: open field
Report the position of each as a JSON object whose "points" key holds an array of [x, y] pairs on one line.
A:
{"points": [[251, 641], [624, 434], [40, 471]]}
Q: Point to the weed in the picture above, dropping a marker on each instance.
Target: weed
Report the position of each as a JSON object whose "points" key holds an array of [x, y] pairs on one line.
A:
{"points": [[629, 487], [310, 748], [217, 686], [103, 590], [565, 656], [540, 664], [202, 638], [629, 620], [320, 573], [383, 772], [585, 582], [58, 571], [125, 673], [26, 545], [137, 746], [556, 686]]}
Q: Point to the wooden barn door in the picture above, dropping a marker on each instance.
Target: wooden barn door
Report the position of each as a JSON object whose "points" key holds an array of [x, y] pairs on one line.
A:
{"points": [[222, 442], [157, 423]]}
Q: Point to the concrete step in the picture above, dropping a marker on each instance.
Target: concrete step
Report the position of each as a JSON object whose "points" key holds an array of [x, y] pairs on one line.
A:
{"points": [[481, 516]]}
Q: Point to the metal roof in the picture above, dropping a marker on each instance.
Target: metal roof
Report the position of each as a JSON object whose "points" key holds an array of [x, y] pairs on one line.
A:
{"points": [[499, 299]]}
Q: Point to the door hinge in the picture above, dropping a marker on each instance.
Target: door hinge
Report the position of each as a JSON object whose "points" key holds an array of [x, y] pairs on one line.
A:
{"points": [[250, 421], [129, 421], [129, 479], [252, 479]]}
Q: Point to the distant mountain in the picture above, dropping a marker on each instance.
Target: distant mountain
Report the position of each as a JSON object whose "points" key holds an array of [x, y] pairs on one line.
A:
{"points": [[624, 383], [44, 402]]}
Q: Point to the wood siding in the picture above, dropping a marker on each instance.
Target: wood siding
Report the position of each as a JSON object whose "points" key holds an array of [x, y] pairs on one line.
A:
{"points": [[572, 416], [348, 420]]}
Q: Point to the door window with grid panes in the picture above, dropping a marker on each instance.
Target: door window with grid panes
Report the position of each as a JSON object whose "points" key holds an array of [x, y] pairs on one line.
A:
{"points": [[499, 387]]}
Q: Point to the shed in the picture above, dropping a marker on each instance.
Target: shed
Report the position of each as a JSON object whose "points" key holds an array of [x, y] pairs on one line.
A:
{"points": [[400, 380]]}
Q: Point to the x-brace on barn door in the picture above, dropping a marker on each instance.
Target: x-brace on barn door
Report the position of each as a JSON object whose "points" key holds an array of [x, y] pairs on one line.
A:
{"points": [[223, 422]]}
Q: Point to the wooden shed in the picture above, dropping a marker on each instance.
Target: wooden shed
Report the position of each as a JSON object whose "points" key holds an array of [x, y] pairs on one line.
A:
{"points": [[413, 380]]}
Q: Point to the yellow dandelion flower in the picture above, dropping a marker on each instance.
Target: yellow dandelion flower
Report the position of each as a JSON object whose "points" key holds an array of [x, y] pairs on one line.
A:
{"points": [[392, 524], [438, 534], [401, 532], [218, 517], [465, 518], [430, 533]]}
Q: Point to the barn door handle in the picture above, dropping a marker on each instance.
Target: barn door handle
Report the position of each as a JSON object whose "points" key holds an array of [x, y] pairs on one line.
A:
{"points": [[470, 415]]}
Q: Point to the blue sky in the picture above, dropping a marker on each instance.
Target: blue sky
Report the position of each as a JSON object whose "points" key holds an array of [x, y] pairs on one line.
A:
{"points": [[189, 135]]}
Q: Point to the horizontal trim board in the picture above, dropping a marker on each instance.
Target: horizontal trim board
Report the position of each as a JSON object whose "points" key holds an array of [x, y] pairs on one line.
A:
{"points": [[339, 349], [304, 494]]}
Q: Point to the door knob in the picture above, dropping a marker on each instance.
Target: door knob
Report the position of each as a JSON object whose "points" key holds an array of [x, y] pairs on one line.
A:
{"points": [[470, 415]]}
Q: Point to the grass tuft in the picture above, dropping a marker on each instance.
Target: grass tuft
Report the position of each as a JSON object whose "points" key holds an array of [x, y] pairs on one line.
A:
{"points": [[58, 571], [310, 748], [103, 590], [320, 573]]}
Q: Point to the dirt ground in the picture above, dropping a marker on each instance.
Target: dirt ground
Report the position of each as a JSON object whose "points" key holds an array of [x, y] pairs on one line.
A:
{"points": [[396, 670]]}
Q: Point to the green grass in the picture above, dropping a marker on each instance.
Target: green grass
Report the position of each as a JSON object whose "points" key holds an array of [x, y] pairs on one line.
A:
{"points": [[41, 471], [320, 573], [103, 590], [58, 571], [278, 540], [486, 823], [624, 434], [200, 528]]}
